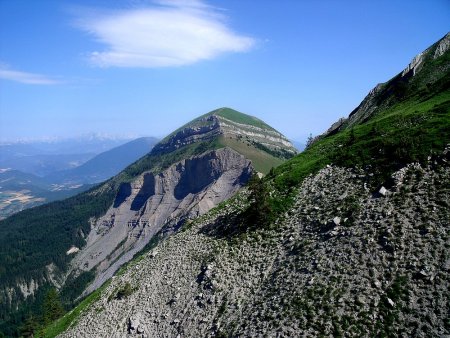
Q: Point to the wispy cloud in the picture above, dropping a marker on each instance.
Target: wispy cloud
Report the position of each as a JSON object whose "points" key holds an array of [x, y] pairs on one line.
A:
{"points": [[169, 33], [6, 73]]}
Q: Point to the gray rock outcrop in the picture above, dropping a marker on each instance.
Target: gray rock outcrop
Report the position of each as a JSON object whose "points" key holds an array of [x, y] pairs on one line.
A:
{"points": [[442, 47], [152, 202]]}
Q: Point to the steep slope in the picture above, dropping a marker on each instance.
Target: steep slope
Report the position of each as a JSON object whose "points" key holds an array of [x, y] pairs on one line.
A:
{"points": [[353, 241], [423, 78], [380, 272], [69, 244], [405, 122], [163, 201], [106, 164], [163, 198]]}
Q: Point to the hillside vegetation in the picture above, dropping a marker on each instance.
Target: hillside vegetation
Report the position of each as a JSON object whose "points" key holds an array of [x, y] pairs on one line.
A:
{"points": [[349, 238]]}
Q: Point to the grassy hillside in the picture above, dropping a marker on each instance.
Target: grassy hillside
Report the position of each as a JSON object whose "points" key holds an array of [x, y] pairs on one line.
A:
{"points": [[261, 160], [410, 121], [406, 132], [238, 117]]}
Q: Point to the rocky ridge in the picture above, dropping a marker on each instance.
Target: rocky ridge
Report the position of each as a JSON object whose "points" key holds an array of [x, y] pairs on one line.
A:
{"points": [[384, 95], [343, 261]]}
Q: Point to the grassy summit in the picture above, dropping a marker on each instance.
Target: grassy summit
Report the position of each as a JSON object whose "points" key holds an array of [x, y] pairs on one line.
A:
{"points": [[238, 117], [225, 127], [229, 114]]}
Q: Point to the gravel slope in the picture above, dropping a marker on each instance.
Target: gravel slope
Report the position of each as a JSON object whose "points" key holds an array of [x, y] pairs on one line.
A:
{"points": [[344, 261]]}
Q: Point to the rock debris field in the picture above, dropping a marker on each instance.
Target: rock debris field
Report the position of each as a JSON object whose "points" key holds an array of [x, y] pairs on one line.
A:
{"points": [[343, 261]]}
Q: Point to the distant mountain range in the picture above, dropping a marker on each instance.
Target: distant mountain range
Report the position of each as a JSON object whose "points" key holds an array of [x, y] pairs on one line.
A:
{"points": [[42, 158], [20, 165], [106, 164], [89, 143]]}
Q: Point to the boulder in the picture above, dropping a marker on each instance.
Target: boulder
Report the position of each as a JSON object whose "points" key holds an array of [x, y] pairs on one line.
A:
{"points": [[391, 302], [133, 323], [382, 191]]}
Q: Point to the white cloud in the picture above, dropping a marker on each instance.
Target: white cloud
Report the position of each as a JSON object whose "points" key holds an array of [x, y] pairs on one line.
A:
{"points": [[170, 33], [23, 77]]}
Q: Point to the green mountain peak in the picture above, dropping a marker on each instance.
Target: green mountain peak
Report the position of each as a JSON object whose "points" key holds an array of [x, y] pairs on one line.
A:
{"points": [[238, 117], [226, 127]]}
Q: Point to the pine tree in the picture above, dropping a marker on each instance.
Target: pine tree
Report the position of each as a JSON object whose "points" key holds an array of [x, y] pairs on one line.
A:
{"points": [[260, 210], [52, 307], [29, 328], [309, 141]]}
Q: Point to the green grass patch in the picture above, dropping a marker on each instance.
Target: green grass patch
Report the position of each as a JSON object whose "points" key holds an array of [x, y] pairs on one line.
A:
{"points": [[261, 160], [407, 132], [235, 116]]}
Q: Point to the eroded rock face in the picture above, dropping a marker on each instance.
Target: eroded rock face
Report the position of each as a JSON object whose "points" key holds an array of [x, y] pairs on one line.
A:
{"points": [[189, 135], [143, 207], [443, 46], [414, 65]]}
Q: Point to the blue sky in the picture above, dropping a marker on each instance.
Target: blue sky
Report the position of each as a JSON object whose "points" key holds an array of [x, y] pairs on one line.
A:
{"points": [[136, 67]]}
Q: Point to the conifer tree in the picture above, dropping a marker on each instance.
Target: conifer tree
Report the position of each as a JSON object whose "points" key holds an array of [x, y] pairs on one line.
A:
{"points": [[259, 211], [29, 328], [52, 307]]}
